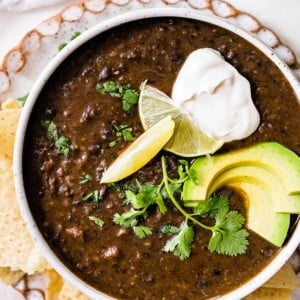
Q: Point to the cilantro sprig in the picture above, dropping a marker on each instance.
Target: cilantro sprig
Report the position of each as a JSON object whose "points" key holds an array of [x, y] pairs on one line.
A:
{"points": [[228, 236], [128, 95], [61, 142]]}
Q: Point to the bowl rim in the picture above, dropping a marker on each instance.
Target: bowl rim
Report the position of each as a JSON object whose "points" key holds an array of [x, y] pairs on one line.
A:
{"points": [[246, 288]]}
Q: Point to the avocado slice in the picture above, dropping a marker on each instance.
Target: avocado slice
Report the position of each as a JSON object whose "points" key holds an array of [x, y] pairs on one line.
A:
{"points": [[282, 202], [262, 218], [275, 158]]}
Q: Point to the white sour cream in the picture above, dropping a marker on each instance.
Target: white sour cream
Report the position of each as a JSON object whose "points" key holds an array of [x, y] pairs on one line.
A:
{"points": [[216, 96]]}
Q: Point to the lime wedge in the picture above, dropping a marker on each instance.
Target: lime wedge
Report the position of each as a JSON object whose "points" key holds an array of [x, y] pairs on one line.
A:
{"points": [[188, 140], [141, 151]]}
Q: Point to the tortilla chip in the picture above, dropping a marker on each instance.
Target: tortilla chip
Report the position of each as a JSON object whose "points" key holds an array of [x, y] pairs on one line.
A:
{"points": [[54, 284], [68, 292], [270, 294], [11, 103], [284, 279], [17, 248], [7, 276], [8, 126]]}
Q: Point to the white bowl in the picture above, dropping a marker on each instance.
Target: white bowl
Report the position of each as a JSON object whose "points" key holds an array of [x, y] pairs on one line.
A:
{"points": [[238, 293]]}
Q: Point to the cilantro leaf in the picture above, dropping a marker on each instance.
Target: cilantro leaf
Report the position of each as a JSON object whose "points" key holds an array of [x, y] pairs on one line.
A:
{"points": [[61, 142], [122, 132], [51, 129], [23, 99], [134, 200], [229, 243], [63, 146], [169, 229], [212, 205], [75, 35], [148, 194], [62, 46], [97, 221], [129, 218], [180, 245], [128, 96], [142, 231], [228, 237]]}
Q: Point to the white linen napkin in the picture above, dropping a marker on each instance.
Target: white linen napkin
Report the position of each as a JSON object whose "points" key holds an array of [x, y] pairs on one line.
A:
{"points": [[26, 5]]}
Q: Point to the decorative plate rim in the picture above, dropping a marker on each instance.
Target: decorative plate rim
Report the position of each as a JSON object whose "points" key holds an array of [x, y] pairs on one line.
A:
{"points": [[16, 59]]}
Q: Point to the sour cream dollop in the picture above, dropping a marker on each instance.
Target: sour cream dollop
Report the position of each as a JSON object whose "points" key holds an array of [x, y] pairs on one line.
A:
{"points": [[216, 96]]}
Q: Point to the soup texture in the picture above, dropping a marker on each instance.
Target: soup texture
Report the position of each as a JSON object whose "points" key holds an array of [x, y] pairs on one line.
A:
{"points": [[64, 190]]}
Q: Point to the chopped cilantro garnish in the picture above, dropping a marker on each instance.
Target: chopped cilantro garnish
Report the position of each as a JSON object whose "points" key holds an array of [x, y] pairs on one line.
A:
{"points": [[62, 145], [128, 96], [61, 142], [228, 236], [23, 99], [97, 221], [122, 132], [73, 37], [62, 46], [141, 231], [85, 178], [93, 196]]}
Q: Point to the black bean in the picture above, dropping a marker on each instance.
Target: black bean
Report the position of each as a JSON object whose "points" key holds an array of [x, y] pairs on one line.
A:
{"points": [[50, 112], [175, 57], [94, 149]]}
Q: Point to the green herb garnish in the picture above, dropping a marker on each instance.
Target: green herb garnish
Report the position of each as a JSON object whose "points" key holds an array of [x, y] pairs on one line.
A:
{"points": [[61, 142], [23, 99], [97, 221], [62, 46], [73, 37], [147, 195], [128, 96], [85, 178], [142, 231], [122, 132], [94, 196], [180, 245], [228, 236], [62, 145]]}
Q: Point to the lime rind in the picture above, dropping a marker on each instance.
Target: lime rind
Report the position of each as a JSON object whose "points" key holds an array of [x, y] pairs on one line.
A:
{"points": [[188, 140]]}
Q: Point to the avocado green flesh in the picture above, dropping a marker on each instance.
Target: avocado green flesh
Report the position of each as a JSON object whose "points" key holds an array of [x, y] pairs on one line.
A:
{"points": [[251, 174], [267, 174], [261, 213], [271, 156]]}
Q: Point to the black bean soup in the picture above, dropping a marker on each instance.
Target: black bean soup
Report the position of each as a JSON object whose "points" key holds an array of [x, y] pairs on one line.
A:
{"points": [[112, 258]]}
